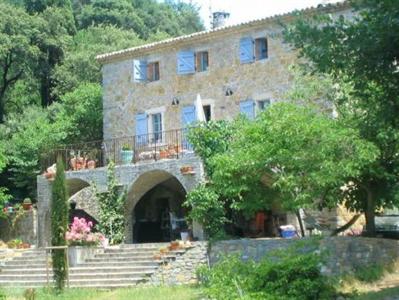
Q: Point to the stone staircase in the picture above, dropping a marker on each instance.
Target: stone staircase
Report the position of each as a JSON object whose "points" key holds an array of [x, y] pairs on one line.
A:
{"points": [[123, 266]]}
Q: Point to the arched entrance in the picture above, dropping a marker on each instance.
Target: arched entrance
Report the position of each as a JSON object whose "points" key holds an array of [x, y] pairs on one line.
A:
{"points": [[154, 207]]}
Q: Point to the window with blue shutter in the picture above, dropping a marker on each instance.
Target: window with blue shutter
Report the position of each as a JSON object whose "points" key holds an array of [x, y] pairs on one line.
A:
{"points": [[246, 50], [141, 129], [185, 62], [188, 116], [139, 71], [247, 108]]}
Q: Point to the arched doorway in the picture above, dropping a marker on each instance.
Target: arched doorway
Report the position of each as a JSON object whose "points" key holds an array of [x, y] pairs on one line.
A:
{"points": [[155, 208]]}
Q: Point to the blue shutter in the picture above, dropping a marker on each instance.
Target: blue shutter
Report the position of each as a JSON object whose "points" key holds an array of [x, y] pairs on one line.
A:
{"points": [[247, 108], [188, 116], [141, 129], [139, 70], [246, 50], [185, 62]]}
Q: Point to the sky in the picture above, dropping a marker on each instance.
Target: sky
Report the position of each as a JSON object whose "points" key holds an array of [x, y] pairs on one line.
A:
{"points": [[246, 10]]}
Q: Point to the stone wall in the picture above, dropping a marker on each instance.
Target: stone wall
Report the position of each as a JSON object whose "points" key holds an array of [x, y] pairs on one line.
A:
{"points": [[346, 254], [136, 179], [25, 228], [183, 269]]}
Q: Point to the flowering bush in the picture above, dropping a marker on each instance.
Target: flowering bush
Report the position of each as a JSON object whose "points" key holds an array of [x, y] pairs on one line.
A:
{"points": [[80, 234]]}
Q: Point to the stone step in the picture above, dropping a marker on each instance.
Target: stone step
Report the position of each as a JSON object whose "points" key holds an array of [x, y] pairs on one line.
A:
{"points": [[83, 269], [26, 260], [124, 255], [79, 276], [27, 266], [101, 283], [110, 264], [130, 250]]}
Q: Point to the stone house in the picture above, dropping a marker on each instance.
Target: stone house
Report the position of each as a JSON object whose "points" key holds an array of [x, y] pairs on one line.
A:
{"points": [[149, 97]]}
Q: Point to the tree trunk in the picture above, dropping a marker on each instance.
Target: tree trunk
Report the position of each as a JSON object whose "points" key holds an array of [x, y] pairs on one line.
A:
{"points": [[370, 214], [298, 215], [347, 225]]}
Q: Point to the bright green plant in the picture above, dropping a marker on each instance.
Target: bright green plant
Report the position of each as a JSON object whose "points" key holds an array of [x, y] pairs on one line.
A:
{"points": [[59, 225], [207, 209], [292, 273], [112, 209]]}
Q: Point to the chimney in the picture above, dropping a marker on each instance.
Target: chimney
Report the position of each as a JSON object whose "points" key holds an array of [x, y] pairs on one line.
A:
{"points": [[219, 19]]}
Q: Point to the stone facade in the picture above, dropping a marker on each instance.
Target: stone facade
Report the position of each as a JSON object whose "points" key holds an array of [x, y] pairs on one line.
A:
{"points": [[183, 269], [263, 79], [268, 78], [345, 254]]}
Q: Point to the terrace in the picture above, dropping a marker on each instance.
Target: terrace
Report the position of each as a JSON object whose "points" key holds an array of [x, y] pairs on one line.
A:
{"points": [[172, 144]]}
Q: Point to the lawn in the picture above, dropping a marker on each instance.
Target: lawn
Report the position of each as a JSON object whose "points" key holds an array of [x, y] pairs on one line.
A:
{"points": [[385, 294], [139, 293]]}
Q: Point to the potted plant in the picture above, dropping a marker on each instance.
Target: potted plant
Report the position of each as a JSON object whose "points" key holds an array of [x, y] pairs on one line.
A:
{"points": [[27, 204], [127, 154]]}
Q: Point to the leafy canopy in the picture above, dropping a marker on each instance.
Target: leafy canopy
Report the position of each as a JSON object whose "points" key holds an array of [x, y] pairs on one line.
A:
{"points": [[360, 56]]}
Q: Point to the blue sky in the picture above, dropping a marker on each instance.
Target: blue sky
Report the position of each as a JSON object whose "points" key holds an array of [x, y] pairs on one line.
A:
{"points": [[245, 10]]}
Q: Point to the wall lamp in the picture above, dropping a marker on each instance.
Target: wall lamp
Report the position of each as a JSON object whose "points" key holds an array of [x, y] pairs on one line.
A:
{"points": [[175, 101], [228, 92]]}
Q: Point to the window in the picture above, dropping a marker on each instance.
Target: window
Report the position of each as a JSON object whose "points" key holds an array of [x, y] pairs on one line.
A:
{"points": [[202, 61], [153, 71], [263, 104], [156, 122], [261, 48], [251, 50], [207, 112]]}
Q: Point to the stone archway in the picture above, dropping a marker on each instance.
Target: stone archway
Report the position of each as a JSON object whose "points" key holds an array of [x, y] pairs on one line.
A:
{"points": [[153, 186], [82, 194]]}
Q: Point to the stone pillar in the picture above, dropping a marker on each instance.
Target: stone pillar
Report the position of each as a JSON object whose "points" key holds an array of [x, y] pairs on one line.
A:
{"points": [[44, 195]]}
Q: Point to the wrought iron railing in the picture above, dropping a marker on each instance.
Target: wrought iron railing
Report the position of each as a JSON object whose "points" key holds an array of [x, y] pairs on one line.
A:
{"points": [[170, 144]]}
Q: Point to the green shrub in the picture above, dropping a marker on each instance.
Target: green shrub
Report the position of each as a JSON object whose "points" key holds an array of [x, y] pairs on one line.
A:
{"points": [[369, 273], [286, 274]]}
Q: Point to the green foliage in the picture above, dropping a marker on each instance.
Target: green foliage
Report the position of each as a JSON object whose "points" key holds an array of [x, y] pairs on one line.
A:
{"points": [[79, 65], [369, 273], [359, 55], [17, 30], [207, 209], [112, 209], [308, 161], [59, 225], [26, 135], [82, 112], [209, 139], [292, 273]]}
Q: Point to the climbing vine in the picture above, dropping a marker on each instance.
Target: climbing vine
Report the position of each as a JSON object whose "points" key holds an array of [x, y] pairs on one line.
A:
{"points": [[112, 208]]}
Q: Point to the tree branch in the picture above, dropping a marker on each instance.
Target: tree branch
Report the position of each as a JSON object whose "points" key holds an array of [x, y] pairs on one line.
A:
{"points": [[347, 225]]}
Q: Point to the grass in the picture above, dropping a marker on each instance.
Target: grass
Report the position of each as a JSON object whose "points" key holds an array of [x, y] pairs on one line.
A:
{"points": [[385, 294], [139, 293]]}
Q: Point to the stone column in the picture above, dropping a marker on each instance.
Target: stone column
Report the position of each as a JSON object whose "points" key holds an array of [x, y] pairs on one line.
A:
{"points": [[44, 195]]}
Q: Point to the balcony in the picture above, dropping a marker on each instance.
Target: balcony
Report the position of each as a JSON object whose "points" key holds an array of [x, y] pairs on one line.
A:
{"points": [[172, 144]]}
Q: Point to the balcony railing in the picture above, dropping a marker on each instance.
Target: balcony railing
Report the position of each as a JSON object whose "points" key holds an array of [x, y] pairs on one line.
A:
{"points": [[127, 150]]}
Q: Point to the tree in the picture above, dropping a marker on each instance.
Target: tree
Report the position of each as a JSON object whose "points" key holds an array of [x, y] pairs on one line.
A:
{"points": [[360, 54], [79, 65], [300, 166], [18, 54], [81, 114], [59, 225], [112, 209], [4, 197], [27, 136]]}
